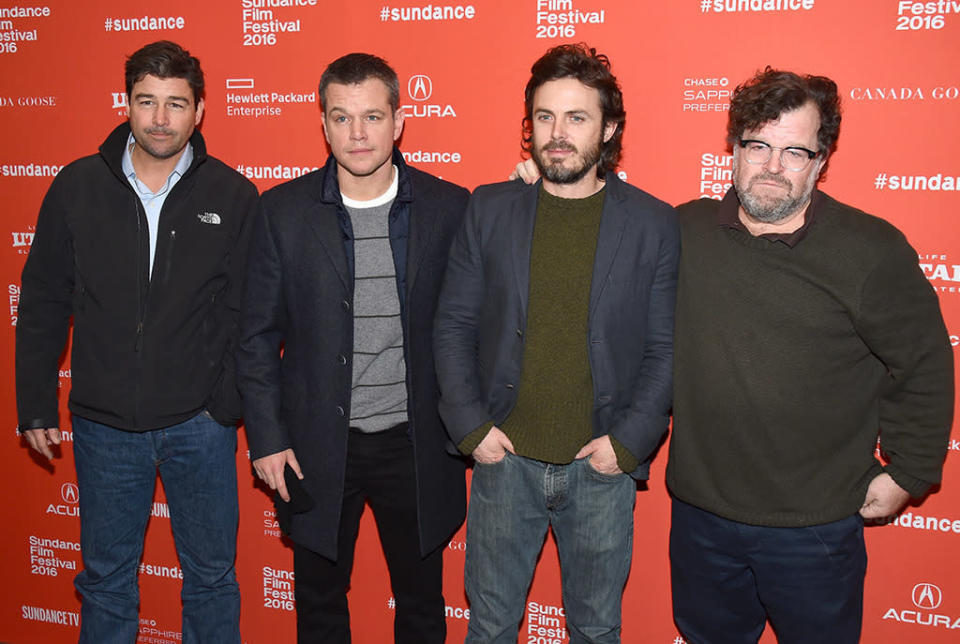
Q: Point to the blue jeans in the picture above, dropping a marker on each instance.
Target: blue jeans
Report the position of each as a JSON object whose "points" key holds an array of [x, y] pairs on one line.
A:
{"points": [[116, 475], [512, 503], [728, 577]]}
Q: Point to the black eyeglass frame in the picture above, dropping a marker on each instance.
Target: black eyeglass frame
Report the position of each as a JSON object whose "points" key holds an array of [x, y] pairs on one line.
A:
{"points": [[811, 155]]}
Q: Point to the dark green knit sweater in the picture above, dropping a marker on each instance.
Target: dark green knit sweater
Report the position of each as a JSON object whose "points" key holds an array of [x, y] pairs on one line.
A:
{"points": [[788, 360], [551, 420]]}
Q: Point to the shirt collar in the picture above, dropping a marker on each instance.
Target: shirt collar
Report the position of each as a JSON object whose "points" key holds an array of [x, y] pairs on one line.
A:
{"points": [[729, 217], [126, 163]]}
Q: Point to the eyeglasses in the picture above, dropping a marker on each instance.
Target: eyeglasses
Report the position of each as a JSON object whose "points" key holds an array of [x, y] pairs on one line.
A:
{"points": [[792, 158]]}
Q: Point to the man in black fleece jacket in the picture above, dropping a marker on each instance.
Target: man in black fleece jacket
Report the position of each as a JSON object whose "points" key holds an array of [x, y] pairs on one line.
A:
{"points": [[144, 246], [804, 328]]}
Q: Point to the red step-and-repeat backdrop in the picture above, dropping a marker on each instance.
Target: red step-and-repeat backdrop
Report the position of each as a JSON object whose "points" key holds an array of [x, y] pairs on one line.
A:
{"points": [[463, 65]]}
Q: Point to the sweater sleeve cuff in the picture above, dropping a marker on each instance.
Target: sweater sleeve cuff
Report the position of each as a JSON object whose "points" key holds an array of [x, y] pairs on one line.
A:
{"points": [[474, 438], [915, 487], [626, 461]]}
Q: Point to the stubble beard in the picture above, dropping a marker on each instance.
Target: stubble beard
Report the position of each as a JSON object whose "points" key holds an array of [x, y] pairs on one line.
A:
{"points": [[556, 172], [767, 210]]}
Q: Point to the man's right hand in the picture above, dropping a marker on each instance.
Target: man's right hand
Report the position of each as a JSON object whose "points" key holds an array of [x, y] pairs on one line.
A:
{"points": [[493, 447], [42, 439], [270, 470], [526, 170]]}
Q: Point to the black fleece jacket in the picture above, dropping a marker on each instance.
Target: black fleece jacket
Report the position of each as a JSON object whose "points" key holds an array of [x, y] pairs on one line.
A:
{"points": [[146, 352]]}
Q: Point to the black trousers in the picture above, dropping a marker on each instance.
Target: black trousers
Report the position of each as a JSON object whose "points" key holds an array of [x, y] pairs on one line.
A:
{"points": [[380, 470]]}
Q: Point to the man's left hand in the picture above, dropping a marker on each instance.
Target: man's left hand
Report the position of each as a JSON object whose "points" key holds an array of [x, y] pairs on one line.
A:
{"points": [[884, 498], [602, 457]]}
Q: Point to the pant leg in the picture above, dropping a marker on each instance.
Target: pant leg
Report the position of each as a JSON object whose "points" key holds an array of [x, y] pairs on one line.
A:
{"points": [[417, 582], [506, 524], [198, 467], [323, 615], [116, 475], [810, 580], [715, 597], [594, 532]]}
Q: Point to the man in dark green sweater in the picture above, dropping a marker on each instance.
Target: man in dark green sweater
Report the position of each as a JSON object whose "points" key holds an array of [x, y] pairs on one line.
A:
{"points": [[804, 328], [553, 343]]}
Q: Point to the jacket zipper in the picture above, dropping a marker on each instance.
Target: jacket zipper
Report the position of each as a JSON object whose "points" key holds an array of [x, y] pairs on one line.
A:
{"points": [[141, 309], [169, 263]]}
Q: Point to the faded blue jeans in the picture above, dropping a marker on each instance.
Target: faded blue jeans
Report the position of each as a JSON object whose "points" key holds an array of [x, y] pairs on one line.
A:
{"points": [[116, 476], [512, 503]]}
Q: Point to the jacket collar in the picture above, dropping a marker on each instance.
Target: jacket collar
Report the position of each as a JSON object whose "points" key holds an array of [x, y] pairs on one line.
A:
{"points": [[111, 150], [330, 187]]}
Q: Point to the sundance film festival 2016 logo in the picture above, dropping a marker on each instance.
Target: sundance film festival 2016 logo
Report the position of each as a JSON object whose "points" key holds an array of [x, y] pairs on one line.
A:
{"points": [[927, 597], [420, 90], [278, 589], [560, 18], [262, 26], [12, 36], [924, 16], [13, 295]]}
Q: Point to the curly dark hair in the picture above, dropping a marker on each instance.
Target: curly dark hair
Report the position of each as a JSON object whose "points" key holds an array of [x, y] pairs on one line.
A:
{"points": [[165, 59], [772, 92], [593, 70], [355, 68]]}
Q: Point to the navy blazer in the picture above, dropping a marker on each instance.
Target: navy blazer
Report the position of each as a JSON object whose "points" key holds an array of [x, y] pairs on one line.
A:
{"points": [[481, 318], [299, 297]]}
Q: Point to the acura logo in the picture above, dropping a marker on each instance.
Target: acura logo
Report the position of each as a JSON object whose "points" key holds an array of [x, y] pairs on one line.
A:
{"points": [[70, 494], [419, 87], [927, 596]]}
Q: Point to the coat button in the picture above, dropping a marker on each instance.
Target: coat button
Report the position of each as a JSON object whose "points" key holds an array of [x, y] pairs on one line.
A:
{"points": [[519, 333], [509, 385], [346, 305], [340, 411], [342, 359]]}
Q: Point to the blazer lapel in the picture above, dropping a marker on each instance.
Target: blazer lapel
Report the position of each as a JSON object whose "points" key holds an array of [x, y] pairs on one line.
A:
{"points": [[613, 221], [423, 225], [324, 222], [521, 234]]}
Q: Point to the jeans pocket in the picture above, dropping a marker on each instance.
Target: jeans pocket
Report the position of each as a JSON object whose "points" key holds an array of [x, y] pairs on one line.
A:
{"points": [[494, 464], [600, 476]]}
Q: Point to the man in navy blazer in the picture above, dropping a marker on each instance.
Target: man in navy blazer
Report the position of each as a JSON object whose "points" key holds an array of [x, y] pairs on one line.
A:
{"points": [[344, 275], [553, 341]]}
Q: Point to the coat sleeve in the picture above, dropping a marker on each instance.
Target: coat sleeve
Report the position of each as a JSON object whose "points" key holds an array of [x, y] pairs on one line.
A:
{"points": [[456, 332], [263, 324], [225, 404], [900, 320], [44, 310], [640, 429]]}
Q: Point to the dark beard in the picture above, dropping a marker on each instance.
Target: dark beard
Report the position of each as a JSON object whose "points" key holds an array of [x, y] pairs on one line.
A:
{"points": [[557, 173]]}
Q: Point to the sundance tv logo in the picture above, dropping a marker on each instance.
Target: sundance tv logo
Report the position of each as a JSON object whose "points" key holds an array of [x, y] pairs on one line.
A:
{"points": [[927, 597], [420, 91]]}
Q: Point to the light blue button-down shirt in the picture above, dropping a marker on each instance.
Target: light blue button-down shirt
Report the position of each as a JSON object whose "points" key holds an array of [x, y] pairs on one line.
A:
{"points": [[153, 201]]}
